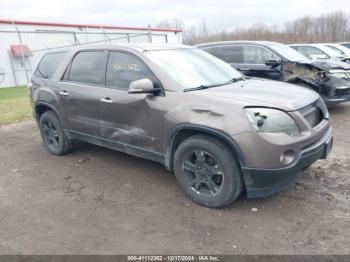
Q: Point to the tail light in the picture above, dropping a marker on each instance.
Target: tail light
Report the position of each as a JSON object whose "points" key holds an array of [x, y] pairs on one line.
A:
{"points": [[29, 88]]}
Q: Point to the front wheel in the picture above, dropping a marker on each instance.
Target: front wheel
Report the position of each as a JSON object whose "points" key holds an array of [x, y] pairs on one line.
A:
{"points": [[207, 171]]}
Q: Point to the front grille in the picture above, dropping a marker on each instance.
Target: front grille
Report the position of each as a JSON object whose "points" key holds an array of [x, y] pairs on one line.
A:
{"points": [[312, 114], [343, 91]]}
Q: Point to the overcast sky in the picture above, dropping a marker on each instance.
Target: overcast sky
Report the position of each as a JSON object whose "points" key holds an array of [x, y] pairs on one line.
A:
{"points": [[219, 14]]}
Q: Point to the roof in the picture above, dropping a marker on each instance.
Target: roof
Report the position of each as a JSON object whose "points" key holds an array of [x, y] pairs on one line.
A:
{"points": [[236, 42], [137, 47], [4, 21], [153, 47]]}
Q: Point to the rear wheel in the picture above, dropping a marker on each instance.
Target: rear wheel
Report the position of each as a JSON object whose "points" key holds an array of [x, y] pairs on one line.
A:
{"points": [[207, 171], [53, 135]]}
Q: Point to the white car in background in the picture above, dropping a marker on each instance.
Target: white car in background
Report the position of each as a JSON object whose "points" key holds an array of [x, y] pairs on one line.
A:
{"points": [[342, 50], [318, 51], [345, 44]]}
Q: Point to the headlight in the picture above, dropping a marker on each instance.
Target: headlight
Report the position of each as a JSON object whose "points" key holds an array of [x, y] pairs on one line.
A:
{"points": [[267, 120], [340, 74]]}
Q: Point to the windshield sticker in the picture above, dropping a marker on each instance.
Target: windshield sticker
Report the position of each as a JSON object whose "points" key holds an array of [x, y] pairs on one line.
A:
{"points": [[125, 67]]}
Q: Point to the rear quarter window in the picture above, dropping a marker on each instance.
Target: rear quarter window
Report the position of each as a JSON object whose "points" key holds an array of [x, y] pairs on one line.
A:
{"points": [[49, 64]]}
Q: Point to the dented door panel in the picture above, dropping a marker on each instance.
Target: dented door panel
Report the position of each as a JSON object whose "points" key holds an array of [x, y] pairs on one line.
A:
{"points": [[133, 119]]}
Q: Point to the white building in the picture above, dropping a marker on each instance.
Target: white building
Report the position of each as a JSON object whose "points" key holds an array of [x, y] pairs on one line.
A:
{"points": [[23, 43]]}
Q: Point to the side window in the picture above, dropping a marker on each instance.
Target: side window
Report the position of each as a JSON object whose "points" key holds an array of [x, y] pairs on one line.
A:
{"points": [[123, 68], [88, 67], [257, 55], [48, 64], [230, 54]]}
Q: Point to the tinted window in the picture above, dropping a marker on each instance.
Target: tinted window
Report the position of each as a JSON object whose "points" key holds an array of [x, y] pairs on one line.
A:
{"points": [[346, 45], [89, 67], [124, 68], [48, 64], [230, 54], [257, 55]]}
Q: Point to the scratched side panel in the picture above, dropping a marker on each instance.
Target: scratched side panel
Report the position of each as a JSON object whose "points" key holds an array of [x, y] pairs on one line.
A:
{"points": [[134, 119]]}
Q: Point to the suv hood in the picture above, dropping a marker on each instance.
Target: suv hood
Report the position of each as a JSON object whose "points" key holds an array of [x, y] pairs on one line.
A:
{"points": [[260, 92], [326, 65]]}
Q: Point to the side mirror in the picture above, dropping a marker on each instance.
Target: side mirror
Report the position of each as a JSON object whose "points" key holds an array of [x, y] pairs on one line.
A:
{"points": [[272, 63], [141, 86]]}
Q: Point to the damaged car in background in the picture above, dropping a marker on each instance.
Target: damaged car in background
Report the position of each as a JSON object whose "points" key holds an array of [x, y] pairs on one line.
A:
{"points": [[322, 51], [219, 132], [331, 79]]}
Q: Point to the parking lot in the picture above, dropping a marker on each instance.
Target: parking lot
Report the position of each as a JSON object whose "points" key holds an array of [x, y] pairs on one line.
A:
{"points": [[97, 201]]}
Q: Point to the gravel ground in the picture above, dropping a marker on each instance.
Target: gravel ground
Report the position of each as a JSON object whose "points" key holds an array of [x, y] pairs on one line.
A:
{"points": [[97, 201]]}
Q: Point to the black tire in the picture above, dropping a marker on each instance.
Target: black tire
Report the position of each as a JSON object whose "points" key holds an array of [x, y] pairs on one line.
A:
{"points": [[53, 135], [201, 160]]}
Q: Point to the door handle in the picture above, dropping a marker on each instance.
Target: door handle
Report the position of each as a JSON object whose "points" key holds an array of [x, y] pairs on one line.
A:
{"points": [[63, 93], [106, 100], [245, 68]]}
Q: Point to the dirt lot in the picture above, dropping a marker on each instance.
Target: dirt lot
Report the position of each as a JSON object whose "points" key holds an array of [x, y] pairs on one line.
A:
{"points": [[96, 201]]}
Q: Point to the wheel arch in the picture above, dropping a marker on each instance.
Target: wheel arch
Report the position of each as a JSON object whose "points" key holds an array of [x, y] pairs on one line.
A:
{"points": [[42, 107], [182, 132]]}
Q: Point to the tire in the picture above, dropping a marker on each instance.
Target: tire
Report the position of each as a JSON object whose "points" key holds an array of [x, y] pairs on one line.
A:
{"points": [[53, 135], [202, 160]]}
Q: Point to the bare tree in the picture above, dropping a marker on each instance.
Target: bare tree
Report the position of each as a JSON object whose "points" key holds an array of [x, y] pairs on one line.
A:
{"points": [[173, 23], [330, 27]]}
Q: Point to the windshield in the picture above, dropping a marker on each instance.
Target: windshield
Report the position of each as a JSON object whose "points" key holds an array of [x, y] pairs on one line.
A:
{"points": [[336, 49], [329, 51], [287, 52], [192, 67]]}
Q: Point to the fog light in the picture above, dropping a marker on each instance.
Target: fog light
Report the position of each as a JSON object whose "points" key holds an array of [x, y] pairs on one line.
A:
{"points": [[287, 157]]}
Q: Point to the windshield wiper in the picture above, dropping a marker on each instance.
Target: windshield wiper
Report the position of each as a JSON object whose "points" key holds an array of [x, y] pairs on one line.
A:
{"points": [[235, 79], [200, 87]]}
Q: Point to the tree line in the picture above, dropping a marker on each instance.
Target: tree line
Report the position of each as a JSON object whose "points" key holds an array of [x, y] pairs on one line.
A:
{"points": [[329, 27]]}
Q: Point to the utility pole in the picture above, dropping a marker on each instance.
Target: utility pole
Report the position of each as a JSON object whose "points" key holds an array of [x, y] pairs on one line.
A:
{"points": [[22, 51], [149, 33]]}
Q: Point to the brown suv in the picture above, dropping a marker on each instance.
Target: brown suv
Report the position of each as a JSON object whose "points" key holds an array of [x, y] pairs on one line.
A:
{"points": [[219, 131]]}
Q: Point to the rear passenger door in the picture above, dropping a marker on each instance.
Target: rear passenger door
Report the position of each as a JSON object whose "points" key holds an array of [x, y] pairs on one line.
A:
{"points": [[80, 91]]}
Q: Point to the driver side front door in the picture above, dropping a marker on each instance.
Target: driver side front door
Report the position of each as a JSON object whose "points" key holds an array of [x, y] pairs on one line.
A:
{"points": [[131, 120]]}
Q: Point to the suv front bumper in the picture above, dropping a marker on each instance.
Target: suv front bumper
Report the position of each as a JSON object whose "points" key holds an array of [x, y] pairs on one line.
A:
{"points": [[333, 101], [264, 182]]}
